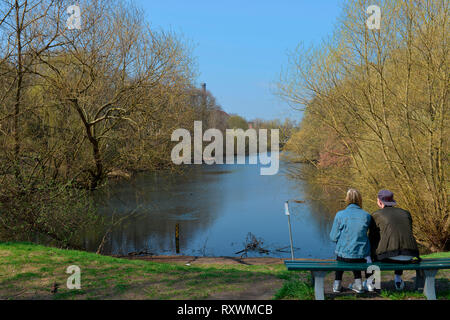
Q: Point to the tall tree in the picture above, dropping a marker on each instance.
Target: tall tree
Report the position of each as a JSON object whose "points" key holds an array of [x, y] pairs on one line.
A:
{"points": [[384, 94]]}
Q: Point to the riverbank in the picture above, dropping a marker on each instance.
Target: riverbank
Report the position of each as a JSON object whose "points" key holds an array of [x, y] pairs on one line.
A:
{"points": [[191, 260], [29, 271]]}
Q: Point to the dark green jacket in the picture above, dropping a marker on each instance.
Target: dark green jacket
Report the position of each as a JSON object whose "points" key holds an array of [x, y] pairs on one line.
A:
{"points": [[390, 234]]}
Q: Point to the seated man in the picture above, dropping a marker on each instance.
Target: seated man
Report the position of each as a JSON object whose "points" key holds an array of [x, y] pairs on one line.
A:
{"points": [[391, 236]]}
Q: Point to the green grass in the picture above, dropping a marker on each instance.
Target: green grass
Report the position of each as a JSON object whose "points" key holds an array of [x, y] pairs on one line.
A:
{"points": [[296, 286], [438, 255], [29, 271], [401, 295]]}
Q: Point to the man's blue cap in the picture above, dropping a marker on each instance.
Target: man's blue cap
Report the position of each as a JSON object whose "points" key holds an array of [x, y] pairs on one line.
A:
{"points": [[387, 197]]}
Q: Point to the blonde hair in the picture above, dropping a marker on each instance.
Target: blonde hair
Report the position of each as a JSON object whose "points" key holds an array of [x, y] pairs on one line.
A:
{"points": [[353, 196]]}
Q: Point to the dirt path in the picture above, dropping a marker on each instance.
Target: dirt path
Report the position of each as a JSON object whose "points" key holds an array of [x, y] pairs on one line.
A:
{"points": [[205, 260], [265, 289], [261, 290]]}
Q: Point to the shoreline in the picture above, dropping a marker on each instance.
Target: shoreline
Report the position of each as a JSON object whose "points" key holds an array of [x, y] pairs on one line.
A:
{"points": [[225, 260], [188, 260]]}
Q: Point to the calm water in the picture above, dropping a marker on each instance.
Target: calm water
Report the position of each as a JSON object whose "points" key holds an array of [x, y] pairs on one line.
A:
{"points": [[216, 207]]}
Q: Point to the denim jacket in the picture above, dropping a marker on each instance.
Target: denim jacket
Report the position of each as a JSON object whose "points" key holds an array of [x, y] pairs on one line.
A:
{"points": [[349, 231]]}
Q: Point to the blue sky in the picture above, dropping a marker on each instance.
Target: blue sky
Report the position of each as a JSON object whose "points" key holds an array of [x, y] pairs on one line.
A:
{"points": [[241, 46]]}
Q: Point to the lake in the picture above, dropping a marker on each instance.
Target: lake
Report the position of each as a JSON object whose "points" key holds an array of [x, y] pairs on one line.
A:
{"points": [[216, 210]]}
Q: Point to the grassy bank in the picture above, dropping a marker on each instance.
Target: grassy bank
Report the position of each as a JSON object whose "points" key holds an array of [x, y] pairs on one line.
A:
{"points": [[28, 271]]}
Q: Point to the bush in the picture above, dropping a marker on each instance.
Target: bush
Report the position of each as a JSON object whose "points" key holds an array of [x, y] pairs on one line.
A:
{"points": [[47, 213]]}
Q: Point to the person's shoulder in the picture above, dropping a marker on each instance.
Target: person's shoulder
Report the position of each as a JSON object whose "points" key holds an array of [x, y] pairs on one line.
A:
{"points": [[368, 215], [377, 213], [401, 210], [351, 208], [340, 212], [344, 212]]}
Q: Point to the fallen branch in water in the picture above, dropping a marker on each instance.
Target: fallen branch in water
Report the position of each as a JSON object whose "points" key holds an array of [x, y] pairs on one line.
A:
{"points": [[252, 244]]}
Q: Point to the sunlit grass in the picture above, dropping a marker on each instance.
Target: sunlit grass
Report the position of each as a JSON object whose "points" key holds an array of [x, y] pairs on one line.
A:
{"points": [[29, 271], [296, 287]]}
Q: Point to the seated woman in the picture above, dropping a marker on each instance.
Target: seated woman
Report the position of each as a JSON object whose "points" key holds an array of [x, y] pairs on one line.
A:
{"points": [[349, 231]]}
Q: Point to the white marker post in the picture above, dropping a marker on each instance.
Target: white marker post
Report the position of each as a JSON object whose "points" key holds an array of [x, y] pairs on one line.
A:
{"points": [[286, 211]]}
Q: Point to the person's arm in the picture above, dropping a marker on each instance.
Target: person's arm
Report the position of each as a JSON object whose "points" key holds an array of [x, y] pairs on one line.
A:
{"points": [[335, 229], [412, 233], [410, 220], [374, 236]]}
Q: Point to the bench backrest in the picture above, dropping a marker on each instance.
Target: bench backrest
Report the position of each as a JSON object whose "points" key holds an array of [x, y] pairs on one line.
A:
{"points": [[333, 265]]}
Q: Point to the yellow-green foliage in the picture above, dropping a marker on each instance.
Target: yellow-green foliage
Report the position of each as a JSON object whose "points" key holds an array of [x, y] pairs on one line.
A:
{"points": [[378, 99]]}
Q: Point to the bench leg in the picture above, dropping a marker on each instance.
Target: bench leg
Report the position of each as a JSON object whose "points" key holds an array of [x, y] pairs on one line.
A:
{"points": [[430, 289], [318, 277], [420, 280]]}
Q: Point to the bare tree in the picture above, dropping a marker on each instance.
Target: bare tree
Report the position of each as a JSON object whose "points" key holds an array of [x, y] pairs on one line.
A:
{"points": [[384, 94], [107, 71]]}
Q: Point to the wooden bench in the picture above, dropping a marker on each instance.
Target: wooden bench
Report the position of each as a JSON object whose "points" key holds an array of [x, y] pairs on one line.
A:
{"points": [[425, 271]]}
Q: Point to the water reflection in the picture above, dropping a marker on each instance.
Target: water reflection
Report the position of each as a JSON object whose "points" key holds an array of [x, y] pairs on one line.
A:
{"points": [[215, 208]]}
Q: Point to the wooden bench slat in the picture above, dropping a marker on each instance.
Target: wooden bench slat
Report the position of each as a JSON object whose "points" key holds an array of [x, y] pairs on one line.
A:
{"points": [[444, 260], [425, 271], [368, 264], [340, 268], [338, 265], [423, 262], [365, 265], [380, 263]]}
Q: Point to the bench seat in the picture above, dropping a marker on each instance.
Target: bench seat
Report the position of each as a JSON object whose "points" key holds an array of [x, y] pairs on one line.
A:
{"points": [[425, 271]]}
